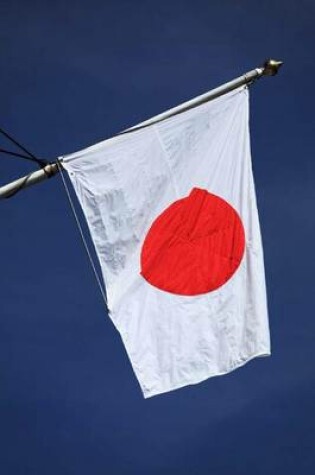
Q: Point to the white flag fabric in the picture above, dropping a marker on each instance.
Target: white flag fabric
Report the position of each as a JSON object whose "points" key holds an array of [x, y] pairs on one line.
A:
{"points": [[172, 212]]}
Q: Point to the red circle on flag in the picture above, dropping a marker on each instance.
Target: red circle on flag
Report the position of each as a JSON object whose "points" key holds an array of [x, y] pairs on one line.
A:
{"points": [[194, 246]]}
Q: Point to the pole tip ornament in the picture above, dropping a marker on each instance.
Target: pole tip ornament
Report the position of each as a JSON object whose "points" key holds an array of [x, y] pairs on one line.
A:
{"points": [[271, 67]]}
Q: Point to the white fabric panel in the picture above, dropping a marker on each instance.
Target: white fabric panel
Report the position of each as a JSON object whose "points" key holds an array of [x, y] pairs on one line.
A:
{"points": [[123, 184]]}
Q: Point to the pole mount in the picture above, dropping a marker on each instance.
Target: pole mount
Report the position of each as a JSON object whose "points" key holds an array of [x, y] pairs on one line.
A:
{"points": [[271, 67]]}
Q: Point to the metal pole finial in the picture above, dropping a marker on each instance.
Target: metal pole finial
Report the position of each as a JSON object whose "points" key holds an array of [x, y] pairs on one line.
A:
{"points": [[271, 67]]}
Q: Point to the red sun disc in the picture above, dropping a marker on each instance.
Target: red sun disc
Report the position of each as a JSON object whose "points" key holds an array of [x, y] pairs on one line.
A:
{"points": [[194, 246]]}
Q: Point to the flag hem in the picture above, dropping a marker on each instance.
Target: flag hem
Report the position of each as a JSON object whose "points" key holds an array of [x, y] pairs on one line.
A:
{"points": [[239, 364], [147, 394]]}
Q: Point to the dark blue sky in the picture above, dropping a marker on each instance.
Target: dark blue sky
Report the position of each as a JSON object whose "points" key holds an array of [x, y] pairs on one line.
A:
{"points": [[76, 72]]}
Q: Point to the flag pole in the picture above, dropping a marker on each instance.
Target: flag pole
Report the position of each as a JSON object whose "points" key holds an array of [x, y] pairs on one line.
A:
{"points": [[270, 68]]}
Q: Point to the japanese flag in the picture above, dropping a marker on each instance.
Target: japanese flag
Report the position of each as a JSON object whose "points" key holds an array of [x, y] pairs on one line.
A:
{"points": [[172, 212]]}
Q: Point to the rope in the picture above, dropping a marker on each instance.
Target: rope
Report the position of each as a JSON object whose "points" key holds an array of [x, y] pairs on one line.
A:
{"points": [[19, 187], [98, 280], [42, 163], [16, 154]]}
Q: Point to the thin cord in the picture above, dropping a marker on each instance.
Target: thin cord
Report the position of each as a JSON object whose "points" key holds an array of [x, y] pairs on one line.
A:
{"points": [[15, 154], [82, 234], [39, 161], [19, 187]]}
